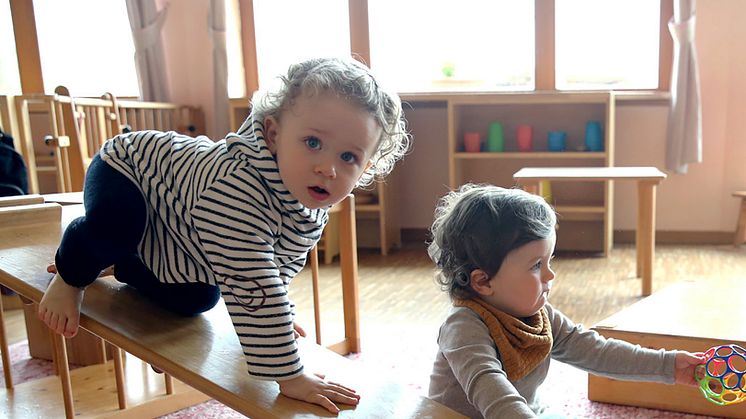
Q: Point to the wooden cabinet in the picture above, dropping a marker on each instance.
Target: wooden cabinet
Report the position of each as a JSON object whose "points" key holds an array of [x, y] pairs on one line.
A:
{"points": [[585, 209]]}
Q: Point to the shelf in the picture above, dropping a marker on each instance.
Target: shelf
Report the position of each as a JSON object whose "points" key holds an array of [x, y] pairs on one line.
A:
{"points": [[368, 208], [532, 155], [580, 213]]}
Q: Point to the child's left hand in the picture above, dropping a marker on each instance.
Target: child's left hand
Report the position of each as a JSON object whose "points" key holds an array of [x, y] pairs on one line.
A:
{"points": [[298, 331], [686, 362]]}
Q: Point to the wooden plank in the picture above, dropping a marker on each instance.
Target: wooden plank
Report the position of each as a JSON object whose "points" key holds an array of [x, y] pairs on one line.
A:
{"points": [[590, 174], [695, 319], [11, 201], [29, 214], [202, 351]]}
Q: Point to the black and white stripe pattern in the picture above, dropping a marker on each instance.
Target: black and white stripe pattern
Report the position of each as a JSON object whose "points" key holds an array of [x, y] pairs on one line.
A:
{"points": [[219, 213]]}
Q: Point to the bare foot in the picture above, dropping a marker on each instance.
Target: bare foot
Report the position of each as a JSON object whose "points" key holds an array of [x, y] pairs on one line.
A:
{"points": [[60, 307], [52, 269]]}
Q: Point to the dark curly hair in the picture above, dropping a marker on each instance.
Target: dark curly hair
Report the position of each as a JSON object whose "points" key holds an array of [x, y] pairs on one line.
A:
{"points": [[476, 226]]}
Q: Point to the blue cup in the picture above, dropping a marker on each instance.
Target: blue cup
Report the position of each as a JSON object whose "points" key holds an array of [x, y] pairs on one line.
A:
{"points": [[594, 137], [556, 140]]}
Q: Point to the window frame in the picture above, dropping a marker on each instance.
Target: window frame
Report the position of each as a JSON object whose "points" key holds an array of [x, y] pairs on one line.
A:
{"points": [[29, 62], [544, 76]]}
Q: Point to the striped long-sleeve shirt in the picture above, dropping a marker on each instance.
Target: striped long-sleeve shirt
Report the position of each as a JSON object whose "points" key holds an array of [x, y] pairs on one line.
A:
{"points": [[218, 213]]}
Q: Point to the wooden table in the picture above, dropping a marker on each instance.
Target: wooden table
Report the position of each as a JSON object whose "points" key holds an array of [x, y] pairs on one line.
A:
{"points": [[688, 315], [647, 179], [202, 351]]}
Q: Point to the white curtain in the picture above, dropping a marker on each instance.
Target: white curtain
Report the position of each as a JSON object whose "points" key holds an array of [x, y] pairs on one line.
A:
{"points": [[146, 23], [220, 68], [684, 142]]}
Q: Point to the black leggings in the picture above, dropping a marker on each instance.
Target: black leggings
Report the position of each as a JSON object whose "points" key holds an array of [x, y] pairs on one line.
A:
{"points": [[109, 234]]}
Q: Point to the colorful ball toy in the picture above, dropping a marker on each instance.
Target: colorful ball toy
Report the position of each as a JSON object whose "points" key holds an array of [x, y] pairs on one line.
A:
{"points": [[721, 378]]}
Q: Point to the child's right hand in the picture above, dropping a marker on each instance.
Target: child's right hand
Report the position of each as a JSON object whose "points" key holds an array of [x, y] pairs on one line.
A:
{"points": [[314, 389], [686, 362]]}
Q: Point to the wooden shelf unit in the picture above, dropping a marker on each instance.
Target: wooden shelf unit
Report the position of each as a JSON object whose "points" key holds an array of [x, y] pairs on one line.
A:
{"points": [[585, 210]]}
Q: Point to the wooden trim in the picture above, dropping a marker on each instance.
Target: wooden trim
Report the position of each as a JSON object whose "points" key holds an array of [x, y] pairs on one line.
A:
{"points": [[248, 46], [678, 237], [359, 31], [665, 53], [27, 46], [544, 45], [421, 235]]}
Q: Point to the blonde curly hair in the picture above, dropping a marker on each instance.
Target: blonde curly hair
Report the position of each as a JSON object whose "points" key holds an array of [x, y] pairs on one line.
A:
{"points": [[352, 80]]}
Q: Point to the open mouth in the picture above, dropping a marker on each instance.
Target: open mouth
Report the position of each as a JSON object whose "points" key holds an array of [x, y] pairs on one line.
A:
{"points": [[318, 193]]}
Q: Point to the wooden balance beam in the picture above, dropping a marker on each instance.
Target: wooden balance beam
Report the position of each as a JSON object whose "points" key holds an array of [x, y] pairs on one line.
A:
{"points": [[202, 352]]}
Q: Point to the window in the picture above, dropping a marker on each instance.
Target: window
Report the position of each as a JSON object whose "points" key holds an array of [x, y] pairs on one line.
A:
{"points": [[607, 44], [421, 45], [288, 31], [10, 81], [236, 84], [87, 46]]}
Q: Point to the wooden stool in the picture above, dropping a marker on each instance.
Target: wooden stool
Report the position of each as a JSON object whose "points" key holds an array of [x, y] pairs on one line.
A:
{"points": [[740, 235]]}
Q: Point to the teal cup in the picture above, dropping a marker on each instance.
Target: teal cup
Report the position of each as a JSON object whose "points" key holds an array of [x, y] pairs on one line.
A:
{"points": [[495, 137]]}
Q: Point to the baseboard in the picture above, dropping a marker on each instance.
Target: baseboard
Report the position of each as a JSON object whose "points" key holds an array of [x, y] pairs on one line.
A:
{"points": [[422, 235], [678, 237], [415, 235]]}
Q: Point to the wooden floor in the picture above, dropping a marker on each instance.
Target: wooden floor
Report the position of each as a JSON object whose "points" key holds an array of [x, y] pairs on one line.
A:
{"points": [[402, 306]]}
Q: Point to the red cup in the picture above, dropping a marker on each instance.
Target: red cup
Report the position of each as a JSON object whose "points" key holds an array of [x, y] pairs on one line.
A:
{"points": [[472, 142], [524, 137]]}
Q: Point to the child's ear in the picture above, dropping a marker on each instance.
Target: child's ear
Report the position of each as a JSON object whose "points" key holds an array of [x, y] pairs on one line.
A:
{"points": [[480, 282], [270, 133]]}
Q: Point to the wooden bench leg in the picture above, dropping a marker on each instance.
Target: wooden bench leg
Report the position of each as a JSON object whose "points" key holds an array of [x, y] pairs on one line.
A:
{"points": [[119, 375], [4, 349], [60, 350], [314, 256], [740, 235], [169, 383]]}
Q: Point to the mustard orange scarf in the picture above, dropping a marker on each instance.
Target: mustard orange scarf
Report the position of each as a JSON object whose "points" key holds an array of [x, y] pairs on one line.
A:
{"points": [[522, 344]]}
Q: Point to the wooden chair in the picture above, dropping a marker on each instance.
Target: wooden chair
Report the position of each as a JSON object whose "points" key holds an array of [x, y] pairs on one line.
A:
{"points": [[139, 115], [740, 234]]}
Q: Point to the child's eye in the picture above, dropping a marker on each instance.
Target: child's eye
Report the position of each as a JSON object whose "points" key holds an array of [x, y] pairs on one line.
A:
{"points": [[348, 157], [313, 143], [537, 266]]}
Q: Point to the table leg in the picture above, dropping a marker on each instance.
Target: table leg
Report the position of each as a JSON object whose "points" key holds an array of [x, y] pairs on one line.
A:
{"points": [[532, 187], [646, 234], [63, 369]]}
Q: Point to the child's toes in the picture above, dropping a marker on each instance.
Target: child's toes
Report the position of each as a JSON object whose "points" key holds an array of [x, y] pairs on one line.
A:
{"points": [[71, 328]]}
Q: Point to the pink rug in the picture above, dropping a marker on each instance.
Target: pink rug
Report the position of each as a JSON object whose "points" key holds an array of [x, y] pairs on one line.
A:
{"points": [[565, 389]]}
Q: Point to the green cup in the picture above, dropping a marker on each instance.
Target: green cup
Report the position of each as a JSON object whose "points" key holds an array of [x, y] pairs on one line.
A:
{"points": [[495, 137]]}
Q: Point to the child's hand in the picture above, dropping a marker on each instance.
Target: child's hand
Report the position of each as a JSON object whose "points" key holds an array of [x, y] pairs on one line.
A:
{"points": [[298, 331], [314, 389], [686, 362]]}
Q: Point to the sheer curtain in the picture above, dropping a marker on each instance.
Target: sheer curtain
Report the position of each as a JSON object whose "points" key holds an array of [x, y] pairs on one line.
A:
{"points": [[684, 142], [146, 23], [220, 68]]}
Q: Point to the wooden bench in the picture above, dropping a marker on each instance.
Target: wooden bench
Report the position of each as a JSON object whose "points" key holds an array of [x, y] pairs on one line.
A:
{"points": [[691, 316], [202, 351]]}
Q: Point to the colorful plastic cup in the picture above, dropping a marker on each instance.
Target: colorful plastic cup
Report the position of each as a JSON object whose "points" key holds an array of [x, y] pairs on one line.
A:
{"points": [[524, 137], [556, 140], [594, 137], [472, 142], [495, 138]]}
